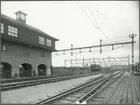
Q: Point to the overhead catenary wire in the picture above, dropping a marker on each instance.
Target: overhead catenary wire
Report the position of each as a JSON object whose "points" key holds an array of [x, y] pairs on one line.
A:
{"points": [[93, 18], [95, 25], [98, 25], [86, 14]]}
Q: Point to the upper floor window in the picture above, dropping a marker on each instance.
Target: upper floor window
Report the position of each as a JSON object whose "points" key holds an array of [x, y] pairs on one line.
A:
{"points": [[48, 42], [2, 28], [12, 31], [41, 40], [4, 48]]}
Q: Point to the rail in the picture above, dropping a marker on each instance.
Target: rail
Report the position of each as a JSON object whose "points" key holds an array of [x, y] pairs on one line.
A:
{"points": [[75, 89], [10, 86], [95, 91]]}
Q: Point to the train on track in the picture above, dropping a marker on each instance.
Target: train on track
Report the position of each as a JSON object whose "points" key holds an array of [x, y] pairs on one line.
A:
{"points": [[95, 67], [137, 67]]}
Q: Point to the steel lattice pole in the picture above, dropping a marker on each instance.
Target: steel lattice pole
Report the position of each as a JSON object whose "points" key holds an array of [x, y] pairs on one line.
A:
{"points": [[132, 37]]}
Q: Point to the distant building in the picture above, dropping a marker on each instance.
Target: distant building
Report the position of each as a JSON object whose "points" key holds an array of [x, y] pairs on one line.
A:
{"points": [[25, 50]]}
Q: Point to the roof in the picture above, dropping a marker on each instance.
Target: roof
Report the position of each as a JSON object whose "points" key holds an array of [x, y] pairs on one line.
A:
{"points": [[20, 12], [27, 26]]}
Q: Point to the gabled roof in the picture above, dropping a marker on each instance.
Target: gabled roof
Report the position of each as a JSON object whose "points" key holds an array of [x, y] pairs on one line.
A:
{"points": [[27, 26], [21, 12]]}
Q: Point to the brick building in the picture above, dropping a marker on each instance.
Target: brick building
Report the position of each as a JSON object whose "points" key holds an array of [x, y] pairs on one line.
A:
{"points": [[25, 50]]}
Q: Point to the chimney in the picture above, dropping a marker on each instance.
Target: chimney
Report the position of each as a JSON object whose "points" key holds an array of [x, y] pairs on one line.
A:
{"points": [[21, 17]]}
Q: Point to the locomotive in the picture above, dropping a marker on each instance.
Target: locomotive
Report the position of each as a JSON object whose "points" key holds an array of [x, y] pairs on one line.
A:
{"points": [[136, 67], [95, 67]]}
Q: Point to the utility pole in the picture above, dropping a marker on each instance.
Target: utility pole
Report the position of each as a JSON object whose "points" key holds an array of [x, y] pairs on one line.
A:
{"points": [[94, 60], [109, 60], [100, 46], [83, 61], [112, 47], [71, 63], [65, 62], [71, 49], [132, 62], [76, 61], [128, 62]]}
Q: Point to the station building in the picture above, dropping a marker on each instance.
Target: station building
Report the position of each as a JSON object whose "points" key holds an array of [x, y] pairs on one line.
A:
{"points": [[25, 50]]}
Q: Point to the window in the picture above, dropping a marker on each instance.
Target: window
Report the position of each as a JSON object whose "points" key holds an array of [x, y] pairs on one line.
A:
{"points": [[12, 31], [48, 42], [18, 15], [2, 28], [42, 54], [26, 52], [4, 48], [41, 40], [23, 16]]}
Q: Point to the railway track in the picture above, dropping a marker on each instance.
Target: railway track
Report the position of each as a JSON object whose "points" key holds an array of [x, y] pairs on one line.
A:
{"points": [[92, 94], [83, 93], [6, 81], [15, 85]]}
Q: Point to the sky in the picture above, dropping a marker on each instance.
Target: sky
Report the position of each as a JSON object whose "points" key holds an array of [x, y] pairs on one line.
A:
{"points": [[72, 22]]}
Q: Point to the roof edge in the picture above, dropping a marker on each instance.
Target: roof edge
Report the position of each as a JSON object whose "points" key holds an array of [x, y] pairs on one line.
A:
{"points": [[27, 26]]}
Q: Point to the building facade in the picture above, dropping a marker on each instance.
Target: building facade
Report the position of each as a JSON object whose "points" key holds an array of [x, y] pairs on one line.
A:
{"points": [[25, 50]]}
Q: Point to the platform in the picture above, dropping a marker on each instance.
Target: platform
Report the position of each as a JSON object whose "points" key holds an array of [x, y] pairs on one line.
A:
{"points": [[124, 91]]}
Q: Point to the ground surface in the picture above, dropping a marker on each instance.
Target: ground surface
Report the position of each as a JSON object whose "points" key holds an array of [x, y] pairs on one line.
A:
{"points": [[37, 93], [124, 91]]}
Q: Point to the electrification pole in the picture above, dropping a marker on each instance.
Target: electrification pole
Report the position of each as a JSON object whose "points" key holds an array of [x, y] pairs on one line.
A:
{"points": [[128, 62], [100, 46], [71, 49], [132, 62], [83, 61], [65, 62]]}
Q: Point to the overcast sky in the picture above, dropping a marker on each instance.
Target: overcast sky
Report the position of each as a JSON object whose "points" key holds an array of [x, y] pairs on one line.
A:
{"points": [[67, 21]]}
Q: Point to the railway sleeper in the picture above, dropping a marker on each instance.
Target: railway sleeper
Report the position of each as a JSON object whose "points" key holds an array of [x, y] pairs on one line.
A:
{"points": [[57, 98], [62, 102]]}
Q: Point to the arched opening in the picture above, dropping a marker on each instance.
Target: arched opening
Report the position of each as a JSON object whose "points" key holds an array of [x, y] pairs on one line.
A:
{"points": [[6, 70], [25, 70], [42, 70]]}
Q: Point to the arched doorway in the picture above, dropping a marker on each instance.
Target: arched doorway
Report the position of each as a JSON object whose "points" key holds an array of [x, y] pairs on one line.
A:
{"points": [[25, 70], [42, 70], [6, 70]]}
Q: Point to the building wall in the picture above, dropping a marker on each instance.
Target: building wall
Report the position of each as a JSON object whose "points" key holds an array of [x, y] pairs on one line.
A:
{"points": [[14, 56]]}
